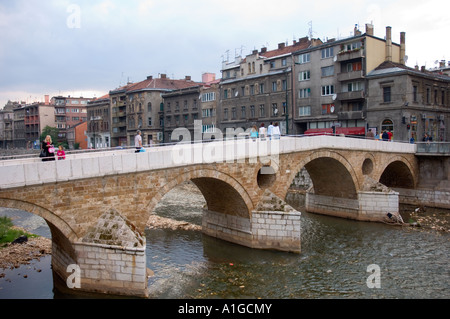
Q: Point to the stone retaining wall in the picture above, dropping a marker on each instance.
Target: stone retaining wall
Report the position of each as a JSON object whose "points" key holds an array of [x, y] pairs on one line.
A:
{"points": [[264, 230]]}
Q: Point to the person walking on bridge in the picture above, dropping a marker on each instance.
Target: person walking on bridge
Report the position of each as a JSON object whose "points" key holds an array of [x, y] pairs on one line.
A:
{"points": [[138, 141]]}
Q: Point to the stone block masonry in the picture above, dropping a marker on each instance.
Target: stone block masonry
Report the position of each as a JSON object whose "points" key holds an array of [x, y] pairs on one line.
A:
{"points": [[112, 270], [264, 230]]}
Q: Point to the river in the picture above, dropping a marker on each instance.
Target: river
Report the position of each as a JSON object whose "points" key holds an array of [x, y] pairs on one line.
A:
{"points": [[336, 253]]}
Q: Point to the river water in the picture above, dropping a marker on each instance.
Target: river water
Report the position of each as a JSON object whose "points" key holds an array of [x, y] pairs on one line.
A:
{"points": [[336, 261]]}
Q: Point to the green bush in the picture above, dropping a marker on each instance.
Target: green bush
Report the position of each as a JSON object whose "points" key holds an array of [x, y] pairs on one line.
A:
{"points": [[9, 234]]}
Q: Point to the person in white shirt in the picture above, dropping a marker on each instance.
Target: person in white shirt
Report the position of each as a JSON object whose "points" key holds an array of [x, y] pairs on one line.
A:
{"points": [[262, 132], [270, 130], [138, 141], [276, 131]]}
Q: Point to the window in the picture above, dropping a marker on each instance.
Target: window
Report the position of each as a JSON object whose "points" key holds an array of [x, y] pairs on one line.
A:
{"points": [[304, 76], [209, 96], [252, 111], [304, 111], [252, 90], [150, 121], [243, 112], [355, 86], [387, 94], [274, 86], [284, 85], [328, 71], [415, 93], [233, 113], [327, 90], [225, 114], [428, 95], [283, 62], [327, 109], [304, 58], [149, 107], [355, 66], [262, 111], [327, 53], [387, 125], [274, 109], [208, 112], [261, 88], [352, 46], [304, 93], [225, 94]]}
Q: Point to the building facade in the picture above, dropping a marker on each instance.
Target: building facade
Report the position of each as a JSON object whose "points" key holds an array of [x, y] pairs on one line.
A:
{"points": [[98, 128], [6, 125], [330, 81], [408, 102], [258, 89]]}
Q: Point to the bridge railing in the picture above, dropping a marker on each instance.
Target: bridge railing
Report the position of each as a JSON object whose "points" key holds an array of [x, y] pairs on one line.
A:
{"points": [[433, 148]]}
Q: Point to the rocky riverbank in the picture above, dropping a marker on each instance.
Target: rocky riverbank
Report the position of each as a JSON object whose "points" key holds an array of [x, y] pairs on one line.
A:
{"points": [[15, 255]]}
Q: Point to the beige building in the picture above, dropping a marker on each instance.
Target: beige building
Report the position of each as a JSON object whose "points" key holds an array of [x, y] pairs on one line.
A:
{"points": [[330, 81]]}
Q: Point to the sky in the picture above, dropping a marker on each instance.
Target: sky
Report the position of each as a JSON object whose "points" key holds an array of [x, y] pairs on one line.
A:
{"points": [[89, 47]]}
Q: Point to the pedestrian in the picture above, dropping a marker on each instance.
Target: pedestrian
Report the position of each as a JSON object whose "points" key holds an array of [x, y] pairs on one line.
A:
{"points": [[48, 149], [254, 133], [390, 135], [385, 136], [61, 154], [262, 132], [370, 134], [276, 131], [270, 130], [138, 141]]}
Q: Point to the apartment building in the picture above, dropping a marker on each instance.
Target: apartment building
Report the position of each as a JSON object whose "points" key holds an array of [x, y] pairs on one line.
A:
{"points": [[98, 128], [197, 103], [331, 81], [69, 111], [409, 102], [6, 125], [257, 89]]}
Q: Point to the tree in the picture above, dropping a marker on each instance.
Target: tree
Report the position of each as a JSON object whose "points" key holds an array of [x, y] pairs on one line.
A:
{"points": [[54, 133]]}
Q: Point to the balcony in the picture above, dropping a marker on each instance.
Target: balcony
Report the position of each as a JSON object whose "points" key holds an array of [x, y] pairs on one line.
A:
{"points": [[347, 76], [350, 55], [355, 95], [352, 115]]}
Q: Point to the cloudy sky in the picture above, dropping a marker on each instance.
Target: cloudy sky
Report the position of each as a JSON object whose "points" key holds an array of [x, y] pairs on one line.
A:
{"points": [[88, 47]]}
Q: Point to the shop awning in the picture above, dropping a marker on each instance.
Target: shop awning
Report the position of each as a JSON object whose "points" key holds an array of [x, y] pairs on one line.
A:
{"points": [[339, 130]]}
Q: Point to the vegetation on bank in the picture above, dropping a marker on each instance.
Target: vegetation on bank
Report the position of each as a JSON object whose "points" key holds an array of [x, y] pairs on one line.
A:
{"points": [[9, 233]]}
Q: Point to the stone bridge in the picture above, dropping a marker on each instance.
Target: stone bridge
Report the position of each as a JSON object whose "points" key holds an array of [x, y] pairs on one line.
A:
{"points": [[97, 204]]}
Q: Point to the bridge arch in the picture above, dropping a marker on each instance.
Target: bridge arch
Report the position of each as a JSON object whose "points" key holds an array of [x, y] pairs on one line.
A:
{"points": [[331, 174], [223, 194], [398, 172], [54, 222]]}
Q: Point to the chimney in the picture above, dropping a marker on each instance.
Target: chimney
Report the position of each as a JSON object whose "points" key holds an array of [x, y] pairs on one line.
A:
{"points": [[442, 64], [263, 50], [187, 78], [369, 29], [356, 31], [163, 76], [208, 77], [388, 44], [402, 48], [150, 77], [281, 45], [422, 68], [47, 100]]}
